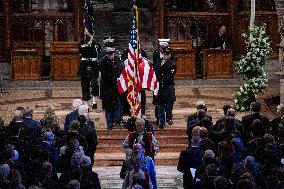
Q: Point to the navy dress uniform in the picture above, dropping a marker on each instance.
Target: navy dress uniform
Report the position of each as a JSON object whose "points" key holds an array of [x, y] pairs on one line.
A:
{"points": [[89, 72], [165, 71], [110, 68]]}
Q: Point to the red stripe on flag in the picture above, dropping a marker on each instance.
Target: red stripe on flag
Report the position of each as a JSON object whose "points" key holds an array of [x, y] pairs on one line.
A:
{"points": [[150, 77]]}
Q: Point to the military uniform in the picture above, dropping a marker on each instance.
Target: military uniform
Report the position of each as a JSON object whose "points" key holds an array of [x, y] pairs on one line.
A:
{"points": [[109, 42], [165, 71], [157, 58], [89, 72], [110, 71]]}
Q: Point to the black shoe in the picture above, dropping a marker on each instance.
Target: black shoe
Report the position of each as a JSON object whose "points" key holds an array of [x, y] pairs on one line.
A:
{"points": [[161, 127], [109, 128], [170, 122], [94, 106]]}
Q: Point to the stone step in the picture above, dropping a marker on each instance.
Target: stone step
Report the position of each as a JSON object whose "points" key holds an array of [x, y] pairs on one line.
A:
{"points": [[116, 159], [162, 140], [117, 184], [124, 132], [104, 148]]}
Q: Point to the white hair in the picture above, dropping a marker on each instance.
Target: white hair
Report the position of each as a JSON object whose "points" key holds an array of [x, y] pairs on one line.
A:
{"points": [[209, 153], [200, 103], [83, 109], [77, 103]]}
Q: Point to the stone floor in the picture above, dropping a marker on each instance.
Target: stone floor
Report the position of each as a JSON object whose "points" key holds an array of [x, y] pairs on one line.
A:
{"points": [[167, 177]]}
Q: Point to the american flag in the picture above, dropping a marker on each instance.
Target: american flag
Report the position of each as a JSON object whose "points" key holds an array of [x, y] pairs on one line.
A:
{"points": [[137, 72], [88, 22]]}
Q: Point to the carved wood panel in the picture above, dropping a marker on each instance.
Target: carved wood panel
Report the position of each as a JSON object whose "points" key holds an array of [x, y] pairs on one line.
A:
{"points": [[65, 61], [217, 63], [185, 61], [26, 65]]}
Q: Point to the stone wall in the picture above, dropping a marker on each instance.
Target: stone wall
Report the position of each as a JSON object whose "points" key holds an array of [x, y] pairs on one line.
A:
{"points": [[114, 19], [280, 12]]}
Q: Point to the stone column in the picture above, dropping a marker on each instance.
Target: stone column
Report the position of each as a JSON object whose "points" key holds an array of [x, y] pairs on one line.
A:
{"points": [[280, 13]]}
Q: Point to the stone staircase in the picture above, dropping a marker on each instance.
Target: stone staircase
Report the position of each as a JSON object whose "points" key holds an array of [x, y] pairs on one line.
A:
{"points": [[110, 151]]}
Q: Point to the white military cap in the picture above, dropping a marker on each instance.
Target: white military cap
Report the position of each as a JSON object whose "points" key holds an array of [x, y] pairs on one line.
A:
{"points": [[108, 40], [164, 42], [110, 49]]}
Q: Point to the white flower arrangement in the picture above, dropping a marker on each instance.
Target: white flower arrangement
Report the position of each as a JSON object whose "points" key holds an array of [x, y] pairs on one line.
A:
{"points": [[250, 67]]}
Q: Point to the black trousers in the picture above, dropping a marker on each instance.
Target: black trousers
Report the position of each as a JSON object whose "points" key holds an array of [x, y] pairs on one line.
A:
{"points": [[89, 86]]}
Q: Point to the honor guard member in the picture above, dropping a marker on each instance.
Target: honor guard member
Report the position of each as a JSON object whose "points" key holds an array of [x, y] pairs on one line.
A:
{"points": [[110, 68], [109, 42], [158, 57], [158, 54], [89, 72], [165, 71]]}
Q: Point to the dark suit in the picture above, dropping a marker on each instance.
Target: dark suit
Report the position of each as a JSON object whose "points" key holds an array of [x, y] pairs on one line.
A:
{"points": [[72, 116], [166, 96], [54, 153], [220, 41], [91, 136], [33, 128], [69, 118], [193, 116], [248, 120], [191, 158]]}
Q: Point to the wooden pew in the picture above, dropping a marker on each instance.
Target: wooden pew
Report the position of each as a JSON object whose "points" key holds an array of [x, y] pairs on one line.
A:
{"points": [[185, 60], [217, 63], [64, 60], [26, 61]]}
